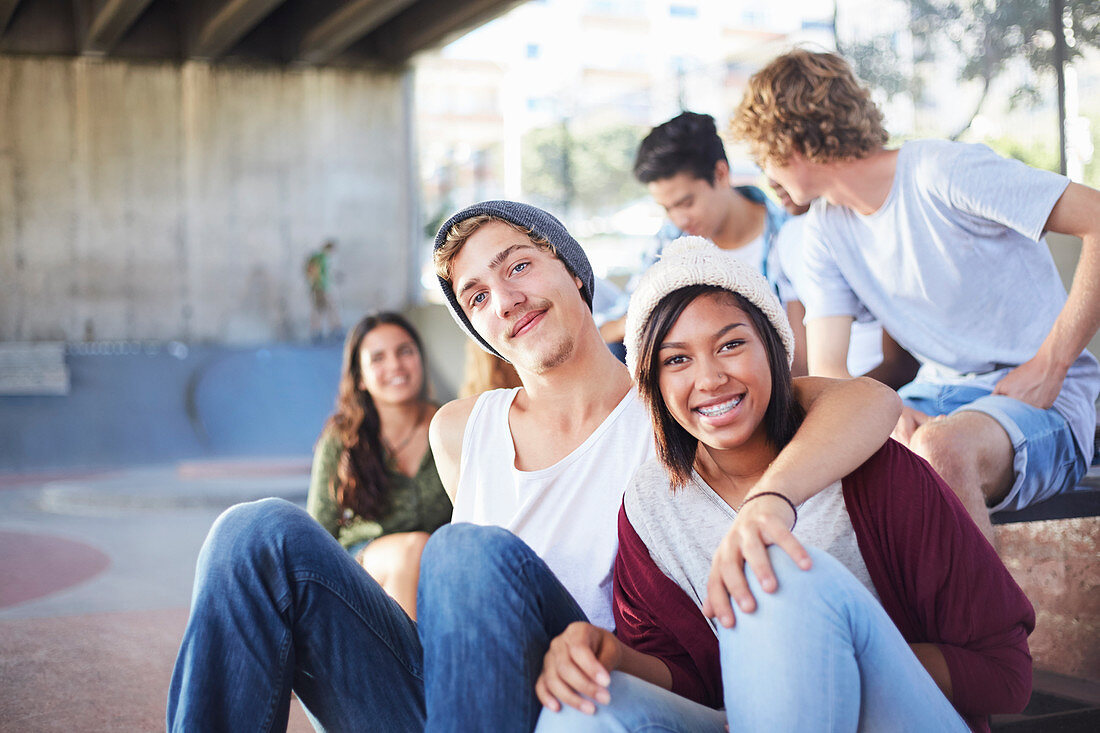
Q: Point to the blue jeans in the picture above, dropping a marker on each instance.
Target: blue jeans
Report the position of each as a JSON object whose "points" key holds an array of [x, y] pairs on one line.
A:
{"points": [[489, 608], [279, 605], [819, 654]]}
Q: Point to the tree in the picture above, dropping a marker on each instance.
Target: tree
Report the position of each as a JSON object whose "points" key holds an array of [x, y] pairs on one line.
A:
{"points": [[987, 35], [565, 167]]}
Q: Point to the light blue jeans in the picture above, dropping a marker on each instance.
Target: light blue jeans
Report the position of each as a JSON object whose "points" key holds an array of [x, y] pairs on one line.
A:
{"points": [[820, 654], [278, 605]]}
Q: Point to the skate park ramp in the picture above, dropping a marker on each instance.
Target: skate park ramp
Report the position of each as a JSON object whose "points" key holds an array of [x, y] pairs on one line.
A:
{"points": [[132, 404]]}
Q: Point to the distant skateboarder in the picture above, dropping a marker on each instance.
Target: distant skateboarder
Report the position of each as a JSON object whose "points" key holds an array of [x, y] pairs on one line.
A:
{"points": [[322, 310]]}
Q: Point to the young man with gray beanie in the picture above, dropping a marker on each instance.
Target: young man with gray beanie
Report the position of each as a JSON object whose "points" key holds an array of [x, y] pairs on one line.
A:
{"points": [[536, 473]]}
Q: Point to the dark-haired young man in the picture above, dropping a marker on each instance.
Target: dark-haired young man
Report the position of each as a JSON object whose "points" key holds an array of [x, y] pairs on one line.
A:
{"points": [[683, 164], [943, 243]]}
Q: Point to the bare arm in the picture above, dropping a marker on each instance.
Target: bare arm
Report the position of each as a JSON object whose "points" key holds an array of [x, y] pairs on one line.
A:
{"points": [[827, 342], [796, 314], [1039, 380], [846, 422], [898, 367], [445, 436]]}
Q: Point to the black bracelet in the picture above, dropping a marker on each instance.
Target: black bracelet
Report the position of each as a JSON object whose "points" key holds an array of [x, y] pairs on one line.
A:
{"points": [[773, 493]]}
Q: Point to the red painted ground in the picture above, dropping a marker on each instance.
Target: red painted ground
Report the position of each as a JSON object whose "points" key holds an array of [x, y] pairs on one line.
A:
{"points": [[35, 565], [99, 672]]}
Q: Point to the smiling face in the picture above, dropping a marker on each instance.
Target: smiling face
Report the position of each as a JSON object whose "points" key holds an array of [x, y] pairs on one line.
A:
{"points": [[714, 376], [518, 296], [694, 205], [390, 366]]}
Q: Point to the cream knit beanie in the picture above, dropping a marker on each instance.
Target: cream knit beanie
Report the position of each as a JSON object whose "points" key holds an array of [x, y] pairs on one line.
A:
{"points": [[696, 261]]}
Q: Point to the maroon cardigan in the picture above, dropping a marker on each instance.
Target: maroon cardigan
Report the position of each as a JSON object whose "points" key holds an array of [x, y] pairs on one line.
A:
{"points": [[939, 580]]}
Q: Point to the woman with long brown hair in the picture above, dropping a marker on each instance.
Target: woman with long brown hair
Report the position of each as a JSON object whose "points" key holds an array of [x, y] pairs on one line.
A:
{"points": [[374, 484]]}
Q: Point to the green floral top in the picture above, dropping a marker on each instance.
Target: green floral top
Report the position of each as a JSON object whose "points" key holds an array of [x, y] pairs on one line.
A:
{"points": [[417, 503]]}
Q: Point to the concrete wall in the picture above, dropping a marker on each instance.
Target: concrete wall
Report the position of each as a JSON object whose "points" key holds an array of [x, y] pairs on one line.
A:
{"points": [[444, 346], [168, 201]]}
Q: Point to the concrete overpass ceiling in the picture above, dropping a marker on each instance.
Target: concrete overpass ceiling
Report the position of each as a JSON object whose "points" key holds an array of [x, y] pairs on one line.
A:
{"points": [[285, 32], [101, 24], [7, 7]]}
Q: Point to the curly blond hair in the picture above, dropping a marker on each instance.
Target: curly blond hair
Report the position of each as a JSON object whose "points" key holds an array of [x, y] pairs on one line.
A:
{"points": [[809, 103], [444, 255]]}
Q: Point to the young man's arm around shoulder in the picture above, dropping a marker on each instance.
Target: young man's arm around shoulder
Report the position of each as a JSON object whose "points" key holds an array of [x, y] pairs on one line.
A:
{"points": [[1039, 380], [445, 436]]}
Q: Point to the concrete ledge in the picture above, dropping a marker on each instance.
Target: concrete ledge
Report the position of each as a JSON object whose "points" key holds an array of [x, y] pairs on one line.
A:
{"points": [[1082, 502], [1058, 703], [36, 368], [149, 489], [1055, 563]]}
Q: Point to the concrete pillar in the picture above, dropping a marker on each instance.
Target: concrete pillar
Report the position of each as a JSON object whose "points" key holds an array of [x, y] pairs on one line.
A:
{"points": [[169, 201]]}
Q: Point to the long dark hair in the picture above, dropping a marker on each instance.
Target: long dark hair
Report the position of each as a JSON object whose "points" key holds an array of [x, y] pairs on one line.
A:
{"points": [[676, 447], [360, 482]]}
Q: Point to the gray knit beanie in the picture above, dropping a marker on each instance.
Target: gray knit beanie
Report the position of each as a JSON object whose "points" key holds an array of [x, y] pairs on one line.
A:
{"points": [[697, 261], [539, 222]]}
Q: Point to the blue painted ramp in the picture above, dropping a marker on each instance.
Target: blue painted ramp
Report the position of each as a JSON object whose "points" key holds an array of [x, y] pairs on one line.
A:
{"points": [[133, 404], [270, 401]]}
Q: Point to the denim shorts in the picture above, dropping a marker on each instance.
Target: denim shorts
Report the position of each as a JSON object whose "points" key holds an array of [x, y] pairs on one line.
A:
{"points": [[1047, 460]]}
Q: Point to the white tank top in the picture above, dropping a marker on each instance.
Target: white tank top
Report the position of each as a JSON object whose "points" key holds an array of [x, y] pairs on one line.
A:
{"points": [[567, 512]]}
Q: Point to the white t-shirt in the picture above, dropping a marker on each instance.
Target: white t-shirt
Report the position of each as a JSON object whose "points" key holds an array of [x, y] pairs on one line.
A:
{"points": [[751, 254], [567, 513], [954, 266], [865, 345]]}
